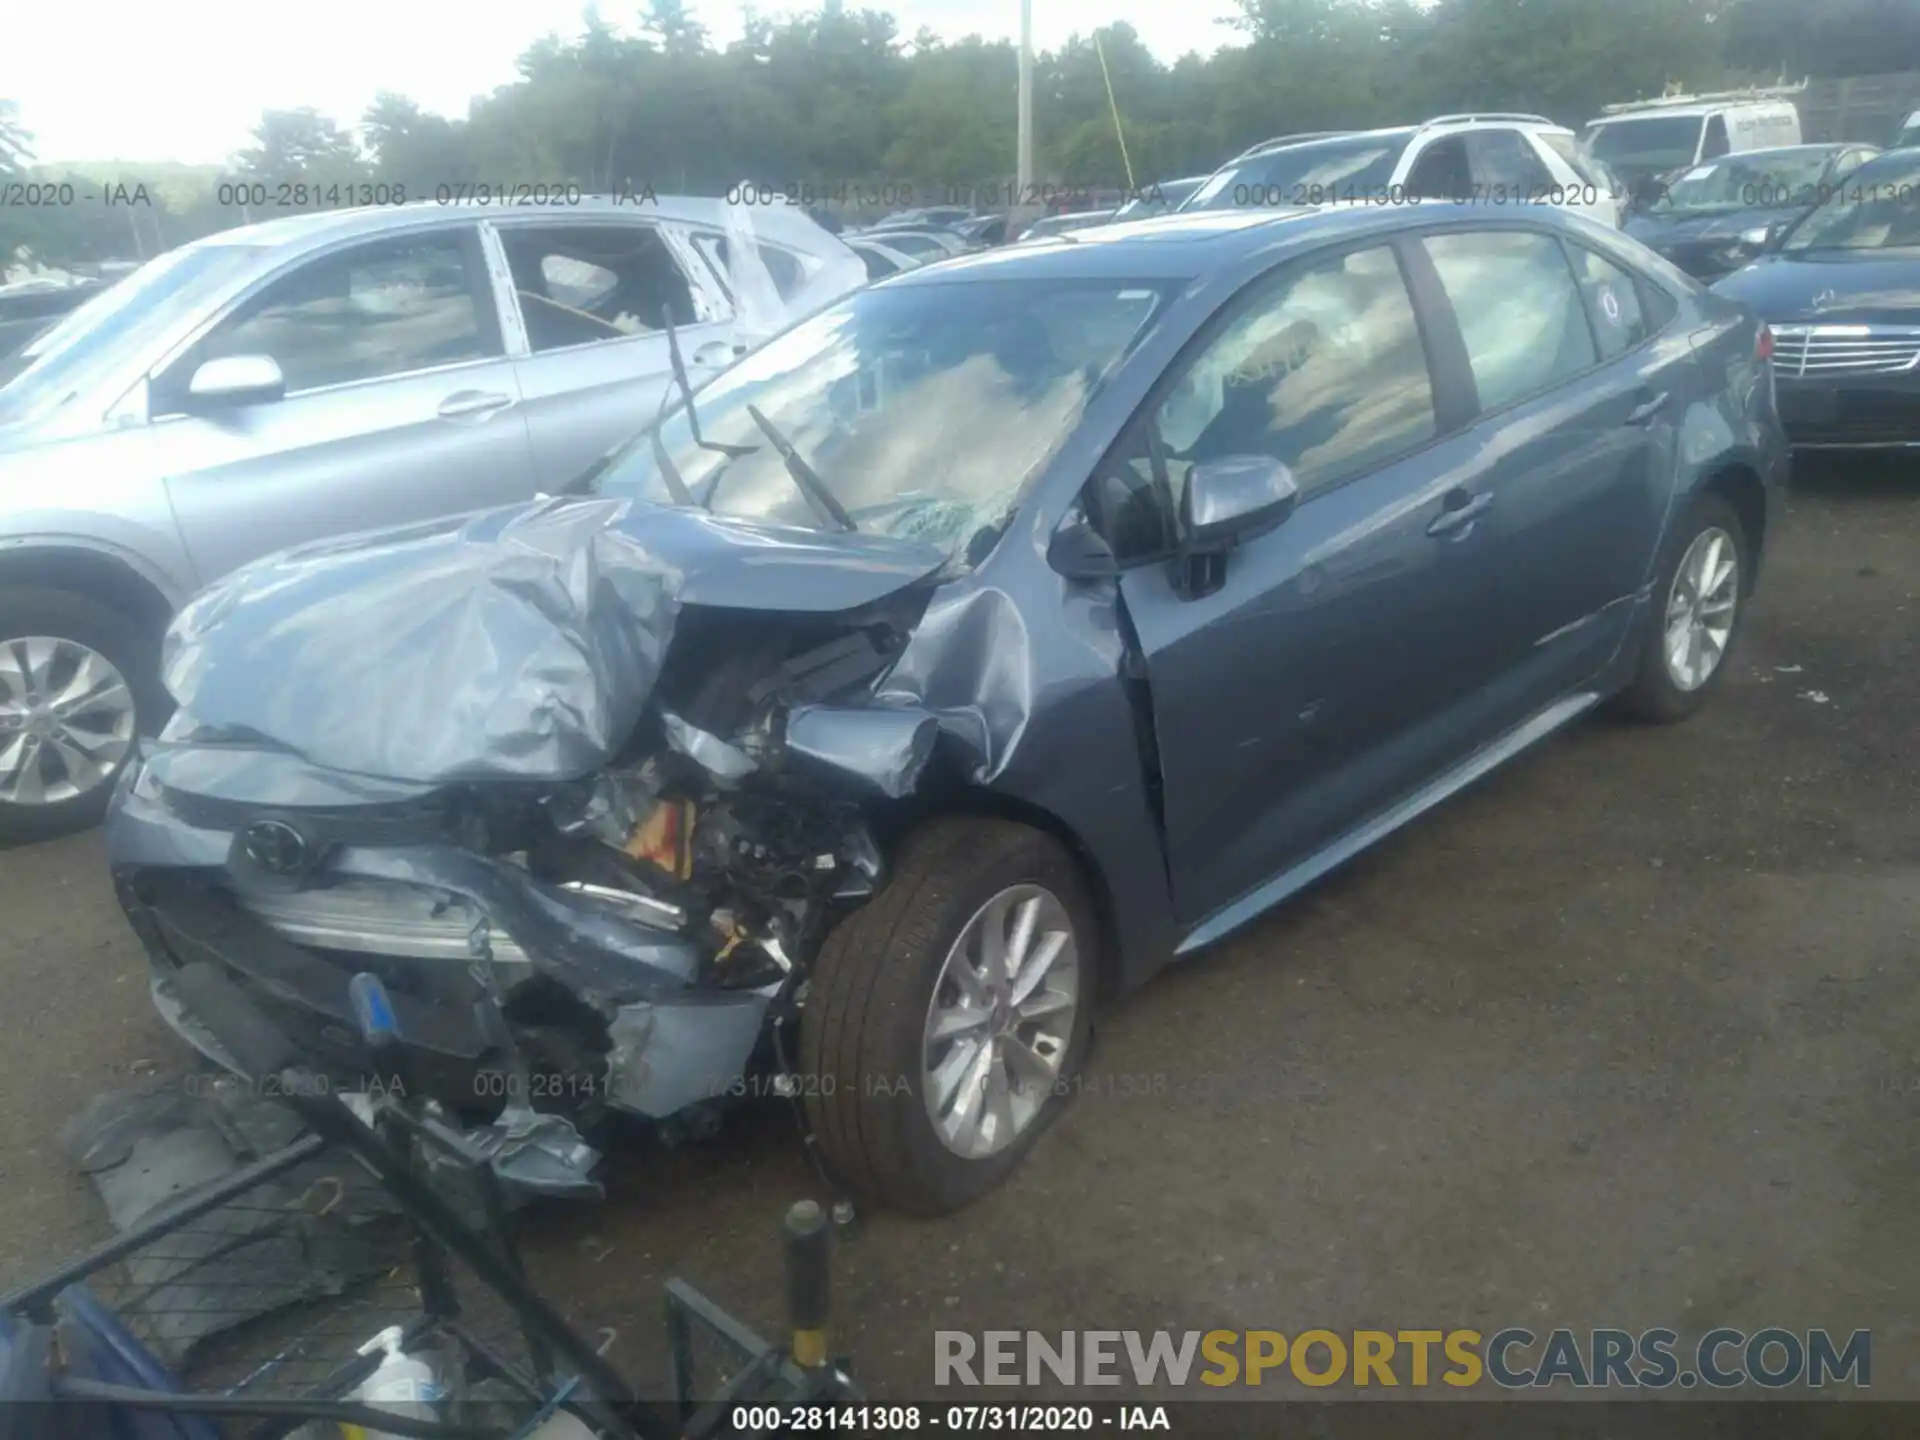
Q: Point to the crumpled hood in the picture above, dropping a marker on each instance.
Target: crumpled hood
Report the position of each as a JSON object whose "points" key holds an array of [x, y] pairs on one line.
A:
{"points": [[1830, 287], [516, 644]]}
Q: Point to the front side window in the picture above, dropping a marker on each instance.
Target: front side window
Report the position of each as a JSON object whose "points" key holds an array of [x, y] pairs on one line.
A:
{"points": [[388, 308], [1506, 163], [1715, 145], [1520, 312], [1613, 302], [581, 284], [1320, 368], [923, 409], [1877, 207]]}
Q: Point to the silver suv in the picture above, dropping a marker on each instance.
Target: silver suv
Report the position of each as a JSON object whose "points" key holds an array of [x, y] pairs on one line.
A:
{"points": [[322, 374]]}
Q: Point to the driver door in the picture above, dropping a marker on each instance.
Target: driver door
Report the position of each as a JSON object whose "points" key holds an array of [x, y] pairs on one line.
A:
{"points": [[1295, 700]]}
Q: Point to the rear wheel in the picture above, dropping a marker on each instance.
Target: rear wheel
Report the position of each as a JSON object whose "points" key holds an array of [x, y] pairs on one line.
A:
{"points": [[76, 680], [1699, 600], [944, 1019]]}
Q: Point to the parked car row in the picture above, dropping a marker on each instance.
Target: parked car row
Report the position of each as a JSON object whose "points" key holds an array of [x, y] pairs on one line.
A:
{"points": [[736, 663], [29, 308]]}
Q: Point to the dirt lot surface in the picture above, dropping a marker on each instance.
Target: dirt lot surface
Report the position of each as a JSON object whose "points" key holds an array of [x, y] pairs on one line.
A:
{"points": [[1628, 1035]]}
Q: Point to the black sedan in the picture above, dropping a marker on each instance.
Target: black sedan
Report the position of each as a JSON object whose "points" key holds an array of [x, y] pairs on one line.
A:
{"points": [[1719, 216], [1841, 290]]}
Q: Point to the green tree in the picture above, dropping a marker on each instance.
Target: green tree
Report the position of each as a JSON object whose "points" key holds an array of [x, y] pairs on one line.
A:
{"points": [[300, 144]]}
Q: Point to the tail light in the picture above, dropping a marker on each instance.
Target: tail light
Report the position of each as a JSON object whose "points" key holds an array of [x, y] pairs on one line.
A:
{"points": [[1763, 344]]}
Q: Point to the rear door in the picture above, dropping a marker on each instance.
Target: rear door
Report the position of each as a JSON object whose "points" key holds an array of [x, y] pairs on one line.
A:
{"points": [[1308, 690], [400, 403], [594, 299], [1578, 409]]}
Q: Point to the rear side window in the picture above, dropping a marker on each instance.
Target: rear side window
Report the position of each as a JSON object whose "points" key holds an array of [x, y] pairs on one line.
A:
{"points": [[1613, 302], [586, 284], [1582, 164], [1505, 164], [1520, 312], [783, 268], [1440, 172]]}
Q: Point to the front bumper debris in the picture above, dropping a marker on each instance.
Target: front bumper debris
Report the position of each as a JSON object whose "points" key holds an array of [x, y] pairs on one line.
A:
{"points": [[668, 1043]]}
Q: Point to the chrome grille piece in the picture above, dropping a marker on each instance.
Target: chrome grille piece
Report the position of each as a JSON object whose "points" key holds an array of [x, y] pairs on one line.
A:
{"points": [[1806, 350], [377, 917]]}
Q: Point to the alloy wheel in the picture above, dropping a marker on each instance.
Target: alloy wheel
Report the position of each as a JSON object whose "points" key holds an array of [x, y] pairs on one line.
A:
{"points": [[66, 720], [1000, 1021], [1701, 608]]}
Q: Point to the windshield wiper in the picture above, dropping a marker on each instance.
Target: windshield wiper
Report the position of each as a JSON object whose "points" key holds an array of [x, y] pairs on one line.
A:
{"points": [[805, 477], [669, 472]]}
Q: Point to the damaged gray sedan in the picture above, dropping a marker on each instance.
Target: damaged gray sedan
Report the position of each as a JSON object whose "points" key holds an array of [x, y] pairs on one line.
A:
{"points": [[962, 655]]}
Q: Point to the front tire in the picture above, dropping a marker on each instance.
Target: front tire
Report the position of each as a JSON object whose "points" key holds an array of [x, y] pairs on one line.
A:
{"points": [[1699, 601], [944, 1019], [77, 680]]}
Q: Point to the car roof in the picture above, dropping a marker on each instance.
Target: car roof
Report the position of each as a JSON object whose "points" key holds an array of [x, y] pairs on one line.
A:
{"points": [[1654, 109], [317, 228], [1824, 147], [1186, 244]]}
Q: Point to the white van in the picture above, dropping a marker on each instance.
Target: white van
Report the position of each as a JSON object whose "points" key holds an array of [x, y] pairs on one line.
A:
{"points": [[1651, 139]]}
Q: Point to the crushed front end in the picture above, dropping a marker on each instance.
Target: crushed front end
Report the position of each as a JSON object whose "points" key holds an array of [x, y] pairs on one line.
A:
{"points": [[558, 946]]}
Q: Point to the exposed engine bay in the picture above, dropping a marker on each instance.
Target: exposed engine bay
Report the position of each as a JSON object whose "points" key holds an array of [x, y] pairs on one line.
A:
{"points": [[626, 940]]}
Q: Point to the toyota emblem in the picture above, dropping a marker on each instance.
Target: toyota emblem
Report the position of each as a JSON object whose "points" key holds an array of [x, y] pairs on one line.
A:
{"points": [[276, 847]]}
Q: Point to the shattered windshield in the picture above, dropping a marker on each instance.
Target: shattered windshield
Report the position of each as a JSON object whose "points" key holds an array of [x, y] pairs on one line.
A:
{"points": [[922, 409]]}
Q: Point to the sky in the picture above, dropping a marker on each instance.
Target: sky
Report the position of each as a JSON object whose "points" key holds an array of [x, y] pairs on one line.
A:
{"points": [[188, 81]]}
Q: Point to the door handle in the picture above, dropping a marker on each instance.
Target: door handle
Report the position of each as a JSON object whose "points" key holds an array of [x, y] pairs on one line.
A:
{"points": [[1462, 509], [473, 404], [718, 352], [1648, 408]]}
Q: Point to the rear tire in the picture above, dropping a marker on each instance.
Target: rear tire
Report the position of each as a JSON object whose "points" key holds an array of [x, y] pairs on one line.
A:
{"points": [[885, 980], [41, 796], [1682, 624]]}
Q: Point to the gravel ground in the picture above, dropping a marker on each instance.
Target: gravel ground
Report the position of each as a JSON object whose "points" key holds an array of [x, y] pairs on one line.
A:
{"points": [[1628, 1035]]}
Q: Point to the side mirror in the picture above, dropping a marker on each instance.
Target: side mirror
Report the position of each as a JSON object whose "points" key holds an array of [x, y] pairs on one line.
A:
{"points": [[1232, 499], [1226, 501], [1079, 552], [235, 380]]}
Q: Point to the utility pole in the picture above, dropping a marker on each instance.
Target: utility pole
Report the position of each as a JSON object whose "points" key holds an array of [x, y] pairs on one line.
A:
{"points": [[1023, 182]]}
